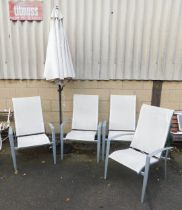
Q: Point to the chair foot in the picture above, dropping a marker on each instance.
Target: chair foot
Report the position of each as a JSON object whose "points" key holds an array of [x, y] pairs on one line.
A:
{"points": [[16, 172]]}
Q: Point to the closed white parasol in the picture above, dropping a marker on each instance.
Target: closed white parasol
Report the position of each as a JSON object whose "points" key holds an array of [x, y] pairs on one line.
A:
{"points": [[58, 64]]}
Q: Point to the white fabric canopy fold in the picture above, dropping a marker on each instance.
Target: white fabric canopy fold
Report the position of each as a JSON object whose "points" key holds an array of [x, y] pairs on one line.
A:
{"points": [[58, 64]]}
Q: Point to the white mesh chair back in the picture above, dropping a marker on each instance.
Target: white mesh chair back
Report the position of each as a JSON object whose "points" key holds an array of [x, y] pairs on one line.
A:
{"points": [[85, 112], [152, 129], [122, 112], [28, 116]]}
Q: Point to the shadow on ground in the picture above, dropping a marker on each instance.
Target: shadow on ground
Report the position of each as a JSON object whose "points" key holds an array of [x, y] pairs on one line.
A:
{"points": [[77, 183]]}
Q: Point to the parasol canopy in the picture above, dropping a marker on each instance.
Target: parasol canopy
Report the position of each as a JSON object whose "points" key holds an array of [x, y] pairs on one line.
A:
{"points": [[58, 64]]}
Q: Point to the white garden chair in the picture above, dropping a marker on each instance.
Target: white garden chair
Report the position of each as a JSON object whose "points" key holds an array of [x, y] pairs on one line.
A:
{"points": [[29, 124], [148, 143], [122, 119], [85, 126]]}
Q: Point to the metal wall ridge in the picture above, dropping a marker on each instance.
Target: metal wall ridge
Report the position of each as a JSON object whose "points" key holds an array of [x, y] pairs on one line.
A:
{"points": [[109, 40]]}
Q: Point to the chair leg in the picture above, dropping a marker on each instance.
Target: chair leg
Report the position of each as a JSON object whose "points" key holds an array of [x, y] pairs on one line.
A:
{"points": [[103, 140], [145, 179], [98, 150], [165, 164], [62, 141], [107, 159], [98, 144], [54, 147], [103, 144], [62, 149], [106, 167], [103, 148], [13, 152], [53, 141]]}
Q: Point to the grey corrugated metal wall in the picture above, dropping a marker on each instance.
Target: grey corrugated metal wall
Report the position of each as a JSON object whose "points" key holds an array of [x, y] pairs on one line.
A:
{"points": [[109, 39]]}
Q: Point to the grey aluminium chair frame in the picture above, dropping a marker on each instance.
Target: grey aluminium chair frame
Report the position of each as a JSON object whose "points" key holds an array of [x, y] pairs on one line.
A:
{"points": [[14, 148], [122, 120], [85, 126], [145, 172], [30, 131], [98, 140], [156, 154]]}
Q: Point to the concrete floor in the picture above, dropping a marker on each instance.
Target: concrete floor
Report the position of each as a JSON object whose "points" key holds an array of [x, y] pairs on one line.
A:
{"points": [[77, 183]]}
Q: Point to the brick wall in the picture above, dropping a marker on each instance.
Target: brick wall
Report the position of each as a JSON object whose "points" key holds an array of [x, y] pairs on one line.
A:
{"points": [[171, 96], [49, 96]]}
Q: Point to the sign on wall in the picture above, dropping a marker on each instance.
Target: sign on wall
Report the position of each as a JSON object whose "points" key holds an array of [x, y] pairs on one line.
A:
{"points": [[25, 10]]}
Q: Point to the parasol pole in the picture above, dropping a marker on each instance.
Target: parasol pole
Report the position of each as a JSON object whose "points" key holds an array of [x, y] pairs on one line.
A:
{"points": [[60, 88], [60, 85]]}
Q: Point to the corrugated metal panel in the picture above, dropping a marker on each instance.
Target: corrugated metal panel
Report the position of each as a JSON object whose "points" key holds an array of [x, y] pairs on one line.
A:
{"points": [[109, 39], [23, 44]]}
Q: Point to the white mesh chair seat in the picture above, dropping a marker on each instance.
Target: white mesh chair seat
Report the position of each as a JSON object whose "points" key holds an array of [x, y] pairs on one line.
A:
{"points": [[81, 135], [85, 124], [131, 158], [148, 143], [29, 124], [33, 140], [122, 135]]}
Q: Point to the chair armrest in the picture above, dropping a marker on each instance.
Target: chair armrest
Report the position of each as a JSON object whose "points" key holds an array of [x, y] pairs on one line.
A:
{"points": [[62, 126], [104, 124], [52, 127], [53, 141], [152, 154], [53, 131], [10, 131], [104, 127]]}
